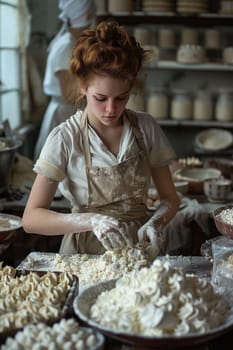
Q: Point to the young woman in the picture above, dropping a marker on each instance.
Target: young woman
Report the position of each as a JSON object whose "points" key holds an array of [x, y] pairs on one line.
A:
{"points": [[103, 158]]}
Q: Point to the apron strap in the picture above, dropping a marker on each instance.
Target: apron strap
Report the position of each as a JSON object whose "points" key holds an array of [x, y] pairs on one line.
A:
{"points": [[132, 117], [85, 139]]}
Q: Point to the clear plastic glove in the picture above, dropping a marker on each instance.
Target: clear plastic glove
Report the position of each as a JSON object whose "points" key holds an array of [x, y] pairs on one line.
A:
{"points": [[148, 232], [111, 232], [152, 230]]}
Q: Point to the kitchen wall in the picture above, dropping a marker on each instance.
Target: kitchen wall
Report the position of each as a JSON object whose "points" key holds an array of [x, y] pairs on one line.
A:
{"points": [[45, 24]]}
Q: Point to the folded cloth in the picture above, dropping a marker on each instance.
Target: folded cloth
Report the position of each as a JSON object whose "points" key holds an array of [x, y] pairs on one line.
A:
{"points": [[178, 232]]}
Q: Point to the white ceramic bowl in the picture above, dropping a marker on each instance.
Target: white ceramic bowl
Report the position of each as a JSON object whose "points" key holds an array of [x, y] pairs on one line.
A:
{"points": [[214, 139], [217, 190], [196, 177]]}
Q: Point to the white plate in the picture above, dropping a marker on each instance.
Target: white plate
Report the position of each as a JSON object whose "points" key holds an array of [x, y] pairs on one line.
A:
{"points": [[9, 222], [214, 139]]}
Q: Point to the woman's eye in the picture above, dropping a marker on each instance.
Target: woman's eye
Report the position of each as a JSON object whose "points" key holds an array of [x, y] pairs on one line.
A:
{"points": [[100, 99]]}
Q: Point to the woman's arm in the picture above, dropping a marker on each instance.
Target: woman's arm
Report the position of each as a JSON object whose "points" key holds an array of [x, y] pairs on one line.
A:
{"points": [[38, 218]]}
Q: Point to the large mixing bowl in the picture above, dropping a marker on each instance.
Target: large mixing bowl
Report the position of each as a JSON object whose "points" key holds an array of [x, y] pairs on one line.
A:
{"points": [[8, 148]]}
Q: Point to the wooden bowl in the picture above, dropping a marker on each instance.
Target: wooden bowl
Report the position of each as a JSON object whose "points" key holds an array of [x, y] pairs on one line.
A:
{"points": [[222, 226]]}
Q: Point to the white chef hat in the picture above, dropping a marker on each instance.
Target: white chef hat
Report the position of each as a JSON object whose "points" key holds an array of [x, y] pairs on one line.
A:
{"points": [[77, 13]]}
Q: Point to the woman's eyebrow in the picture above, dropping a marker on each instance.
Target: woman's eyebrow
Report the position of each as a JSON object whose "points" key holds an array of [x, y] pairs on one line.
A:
{"points": [[123, 93]]}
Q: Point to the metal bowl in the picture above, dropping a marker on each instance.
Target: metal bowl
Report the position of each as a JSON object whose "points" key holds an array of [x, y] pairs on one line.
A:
{"points": [[9, 224], [8, 148]]}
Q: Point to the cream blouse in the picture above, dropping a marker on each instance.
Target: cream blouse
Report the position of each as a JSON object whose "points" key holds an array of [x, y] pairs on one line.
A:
{"points": [[62, 158]]}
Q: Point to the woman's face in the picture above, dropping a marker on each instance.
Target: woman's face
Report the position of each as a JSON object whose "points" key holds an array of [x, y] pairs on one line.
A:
{"points": [[106, 99]]}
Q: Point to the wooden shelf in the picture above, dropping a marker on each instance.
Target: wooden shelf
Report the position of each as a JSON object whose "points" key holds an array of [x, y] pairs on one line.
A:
{"points": [[208, 66], [195, 123], [135, 18]]}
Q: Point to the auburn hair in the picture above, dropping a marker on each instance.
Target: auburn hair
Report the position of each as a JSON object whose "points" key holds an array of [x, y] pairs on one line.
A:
{"points": [[107, 49]]}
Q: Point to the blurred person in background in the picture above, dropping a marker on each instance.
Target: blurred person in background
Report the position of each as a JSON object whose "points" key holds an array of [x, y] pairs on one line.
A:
{"points": [[76, 15]]}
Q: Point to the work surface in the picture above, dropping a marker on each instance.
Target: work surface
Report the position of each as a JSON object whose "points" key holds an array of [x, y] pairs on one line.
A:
{"points": [[195, 265]]}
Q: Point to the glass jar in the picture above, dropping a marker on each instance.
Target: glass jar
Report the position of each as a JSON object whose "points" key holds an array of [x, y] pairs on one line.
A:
{"points": [[157, 104], [202, 106], [181, 105], [224, 105]]}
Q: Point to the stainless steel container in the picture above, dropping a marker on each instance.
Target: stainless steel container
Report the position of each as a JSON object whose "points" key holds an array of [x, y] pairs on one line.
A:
{"points": [[8, 148]]}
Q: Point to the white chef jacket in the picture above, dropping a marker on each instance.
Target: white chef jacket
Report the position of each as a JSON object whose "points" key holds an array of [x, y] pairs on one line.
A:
{"points": [[58, 59]]}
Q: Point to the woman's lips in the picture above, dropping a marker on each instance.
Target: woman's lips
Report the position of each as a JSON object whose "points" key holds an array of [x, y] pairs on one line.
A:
{"points": [[109, 117]]}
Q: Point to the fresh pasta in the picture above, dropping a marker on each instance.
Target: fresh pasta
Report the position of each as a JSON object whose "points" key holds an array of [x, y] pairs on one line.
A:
{"points": [[64, 335], [29, 298]]}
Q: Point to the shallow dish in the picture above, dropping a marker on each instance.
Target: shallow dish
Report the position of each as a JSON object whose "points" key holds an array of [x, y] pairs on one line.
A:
{"points": [[8, 225], [222, 226], [196, 177], [214, 139]]}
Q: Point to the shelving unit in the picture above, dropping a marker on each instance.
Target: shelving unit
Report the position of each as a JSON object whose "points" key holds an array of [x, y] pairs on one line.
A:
{"points": [[136, 18], [174, 128], [209, 66]]}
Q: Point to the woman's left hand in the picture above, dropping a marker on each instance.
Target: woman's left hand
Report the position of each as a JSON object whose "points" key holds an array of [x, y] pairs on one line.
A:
{"points": [[152, 229]]}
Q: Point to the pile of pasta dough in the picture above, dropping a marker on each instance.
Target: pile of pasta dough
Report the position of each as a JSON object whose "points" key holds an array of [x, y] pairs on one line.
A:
{"points": [[160, 300], [64, 335], [31, 298], [91, 269], [110, 265]]}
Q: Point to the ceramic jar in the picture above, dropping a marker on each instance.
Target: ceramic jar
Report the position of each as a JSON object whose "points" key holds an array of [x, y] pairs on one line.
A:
{"points": [[181, 106], [212, 39], [167, 39], [189, 36], [158, 104], [120, 5], [143, 36], [202, 106], [224, 105]]}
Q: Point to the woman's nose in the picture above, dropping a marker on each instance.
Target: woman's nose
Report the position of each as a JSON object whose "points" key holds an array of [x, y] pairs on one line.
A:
{"points": [[110, 107]]}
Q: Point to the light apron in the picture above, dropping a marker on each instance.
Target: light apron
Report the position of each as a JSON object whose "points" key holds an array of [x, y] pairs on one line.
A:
{"points": [[118, 191]]}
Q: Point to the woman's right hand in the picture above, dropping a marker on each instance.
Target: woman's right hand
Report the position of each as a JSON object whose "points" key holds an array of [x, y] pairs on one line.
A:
{"points": [[111, 232]]}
